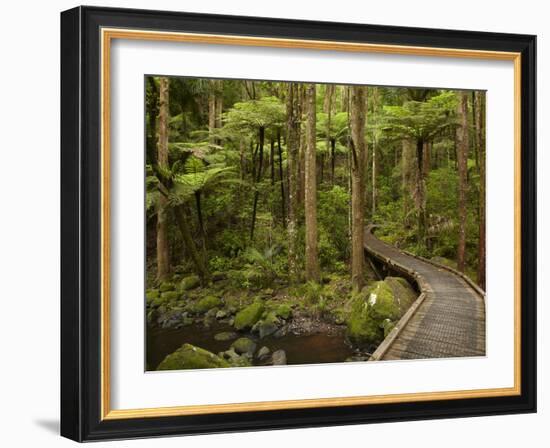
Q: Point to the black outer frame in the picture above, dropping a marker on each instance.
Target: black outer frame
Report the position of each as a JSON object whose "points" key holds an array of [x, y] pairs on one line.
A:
{"points": [[81, 221]]}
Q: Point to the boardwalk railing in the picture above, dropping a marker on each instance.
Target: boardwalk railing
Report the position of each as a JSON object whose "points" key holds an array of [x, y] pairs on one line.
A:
{"points": [[446, 320]]}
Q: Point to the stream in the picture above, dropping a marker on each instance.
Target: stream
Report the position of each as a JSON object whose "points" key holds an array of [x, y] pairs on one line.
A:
{"points": [[300, 349]]}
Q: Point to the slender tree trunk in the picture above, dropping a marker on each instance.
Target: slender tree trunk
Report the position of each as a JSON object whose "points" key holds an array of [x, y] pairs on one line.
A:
{"points": [[480, 132], [462, 144], [293, 143], [420, 193], [310, 198], [332, 159], [212, 110], [219, 104], [329, 95], [373, 177], [301, 160], [257, 180], [358, 152], [281, 177], [163, 254], [182, 221], [272, 159], [407, 157], [202, 230]]}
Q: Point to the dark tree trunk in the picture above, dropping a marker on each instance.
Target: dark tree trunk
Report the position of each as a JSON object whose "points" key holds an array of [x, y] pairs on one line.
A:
{"points": [[293, 144], [163, 249], [310, 196], [257, 180], [462, 144], [480, 138], [358, 151], [182, 221], [281, 177]]}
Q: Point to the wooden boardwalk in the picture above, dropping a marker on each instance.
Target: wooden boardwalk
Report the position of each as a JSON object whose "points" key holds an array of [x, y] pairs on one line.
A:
{"points": [[448, 322]]}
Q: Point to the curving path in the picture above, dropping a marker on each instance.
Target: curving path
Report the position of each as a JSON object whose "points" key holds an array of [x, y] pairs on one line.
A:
{"points": [[448, 319]]}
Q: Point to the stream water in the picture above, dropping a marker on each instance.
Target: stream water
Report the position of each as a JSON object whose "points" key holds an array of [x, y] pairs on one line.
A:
{"points": [[300, 349]]}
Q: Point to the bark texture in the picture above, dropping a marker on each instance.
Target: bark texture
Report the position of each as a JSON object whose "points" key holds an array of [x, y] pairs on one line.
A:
{"points": [[293, 144], [358, 152], [163, 254], [462, 145], [310, 194]]}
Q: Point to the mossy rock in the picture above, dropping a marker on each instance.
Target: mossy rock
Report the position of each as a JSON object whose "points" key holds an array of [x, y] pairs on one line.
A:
{"points": [[248, 316], [169, 296], [151, 295], [225, 336], [190, 282], [244, 346], [167, 286], [206, 304], [404, 294], [269, 324], [191, 357], [283, 311], [369, 310]]}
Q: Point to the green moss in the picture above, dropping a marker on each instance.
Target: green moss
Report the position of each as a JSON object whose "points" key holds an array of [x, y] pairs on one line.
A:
{"points": [[190, 282], [151, 295], [244, 346], [169, 296], [371, 311], [284, 311], [190, 357], [248, 316], [167, 286], [206, 304], [404, 294]]}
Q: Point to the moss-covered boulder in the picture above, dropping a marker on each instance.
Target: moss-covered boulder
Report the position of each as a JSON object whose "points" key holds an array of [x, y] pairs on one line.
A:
{"points": [[244, 346], [267, 325], [403, 292], [190, 282], [169, 296], [248, 316], [191, 357], [151, 294], [370, 311], [206, 304], [167, 286], [225, 336]]}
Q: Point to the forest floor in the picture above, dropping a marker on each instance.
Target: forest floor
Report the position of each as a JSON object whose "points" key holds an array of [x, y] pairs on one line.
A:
{"points": [[302, 324]]}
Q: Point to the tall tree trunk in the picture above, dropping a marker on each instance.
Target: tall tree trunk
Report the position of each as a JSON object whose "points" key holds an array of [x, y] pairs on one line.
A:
{"points": [[310, 198], [407, 160], [212, 109], [163, 254], [420, 193], [327, 106], [462, 144], [293, 144], [202, 230], [302, 152], [281, 177], [480, 139], [257, 180], [373, 177], [358, 152], [219, 103], [182, 220], [332, 158]]}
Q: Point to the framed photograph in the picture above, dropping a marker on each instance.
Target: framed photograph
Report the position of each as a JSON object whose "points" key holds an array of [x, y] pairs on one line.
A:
{"points": [[273, 223]]}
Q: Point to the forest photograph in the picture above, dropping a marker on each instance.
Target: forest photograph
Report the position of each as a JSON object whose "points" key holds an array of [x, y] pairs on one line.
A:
{"points": [[302, 223]]}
